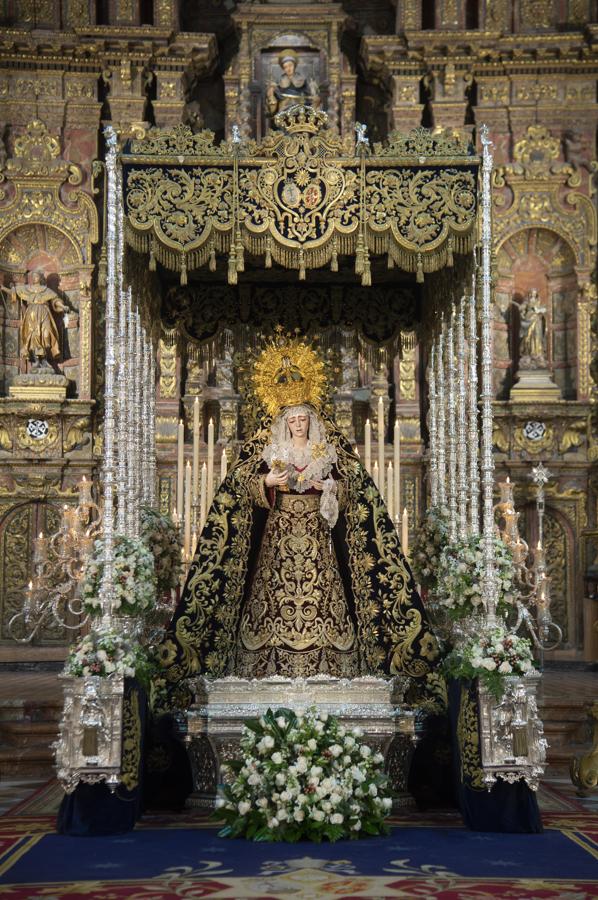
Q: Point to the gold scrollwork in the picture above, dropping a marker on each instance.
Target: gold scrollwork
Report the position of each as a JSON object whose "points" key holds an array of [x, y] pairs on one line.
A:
{"points": [[534, 447], [28, 441]]}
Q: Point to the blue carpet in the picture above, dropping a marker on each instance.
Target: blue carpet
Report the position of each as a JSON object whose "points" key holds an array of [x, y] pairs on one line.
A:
{"points": [[153, 853]]}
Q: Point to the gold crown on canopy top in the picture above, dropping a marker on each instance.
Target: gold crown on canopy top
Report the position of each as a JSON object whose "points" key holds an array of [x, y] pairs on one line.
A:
{"points": [[288, 372]]}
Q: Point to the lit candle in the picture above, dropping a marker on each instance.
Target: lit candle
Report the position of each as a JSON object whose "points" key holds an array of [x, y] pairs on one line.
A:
{"points": [[390, 492], [203, 507], [195, 449], [368, 447], [187, 538], [405, 532], [223, 465], [175, 516], [210, 492], [381, 444], [85, 492], [375, 474], [40, 549], [180, 472], [397, 464]]}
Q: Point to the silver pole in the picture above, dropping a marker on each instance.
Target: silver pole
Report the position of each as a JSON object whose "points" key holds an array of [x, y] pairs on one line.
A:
{"points": [[461, 423], [472, 410], [433, 429], [113, 200], [451, 426], [487, 465], [441, 407]]}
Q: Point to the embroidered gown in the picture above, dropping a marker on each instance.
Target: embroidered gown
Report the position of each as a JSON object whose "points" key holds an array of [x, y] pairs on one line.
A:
{"points": [[296, 619]]}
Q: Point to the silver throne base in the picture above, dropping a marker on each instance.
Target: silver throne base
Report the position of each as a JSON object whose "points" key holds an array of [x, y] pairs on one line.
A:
{"points": [[222, 706]]}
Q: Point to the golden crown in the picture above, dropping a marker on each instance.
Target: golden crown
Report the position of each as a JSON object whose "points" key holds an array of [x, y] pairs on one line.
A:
{"points": [[288, 372]]}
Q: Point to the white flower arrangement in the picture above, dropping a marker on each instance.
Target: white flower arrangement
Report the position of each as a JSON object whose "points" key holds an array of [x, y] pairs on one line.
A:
{"points": [[134, 578], [304, 776], [163, 539], [431, 537], [491, 657], [460, 578], [105, 654]]}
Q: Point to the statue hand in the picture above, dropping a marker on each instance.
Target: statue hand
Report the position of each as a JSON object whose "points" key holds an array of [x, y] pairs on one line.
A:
{"points": [[276, 479]]}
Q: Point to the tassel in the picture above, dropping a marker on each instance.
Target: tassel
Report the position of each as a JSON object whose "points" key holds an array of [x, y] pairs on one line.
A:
{"points": [[301, 265], [449, 252], [232, 266], [183, 269], [366, 277], [420, 269], [240, 254], [102, 269], [152, 259], [212, 263], [390, 262], [359, 255], [334, 258]]}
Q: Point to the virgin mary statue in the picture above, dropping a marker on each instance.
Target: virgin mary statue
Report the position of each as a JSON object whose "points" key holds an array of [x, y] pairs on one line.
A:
{"points": [[299, 570]]}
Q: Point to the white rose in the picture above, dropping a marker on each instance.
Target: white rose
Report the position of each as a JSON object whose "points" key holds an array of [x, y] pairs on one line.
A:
{"points": [[365, 751], [505, 668], [254, 778], [336, 750], [273, 822], [335, 799], [285, 796], [262, 802], [301, 765], [349, 741], [276, 758], [336, 819], [373, 790], [378, 758], [281, 722], [318, 815], [299, 815], [477, 662], [312, 744], [268, 741], [489, 664], [386, 802], [357, 774], [324, 716], [244, 807], [319, 727], [326, 806], [346, 760], [356, 826], [315, 771], [282, 814]]}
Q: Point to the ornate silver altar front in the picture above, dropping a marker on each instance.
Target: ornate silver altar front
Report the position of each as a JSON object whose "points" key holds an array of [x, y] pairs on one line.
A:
{"points": [[512, 741], [90, 742], [222, 706]]}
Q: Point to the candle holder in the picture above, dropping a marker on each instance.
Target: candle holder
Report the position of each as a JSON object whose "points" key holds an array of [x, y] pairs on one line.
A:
{"points": [[531, 579], [52, 595]]}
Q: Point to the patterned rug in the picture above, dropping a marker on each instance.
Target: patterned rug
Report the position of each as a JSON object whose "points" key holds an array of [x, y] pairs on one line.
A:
{"points": [[181, 856]]}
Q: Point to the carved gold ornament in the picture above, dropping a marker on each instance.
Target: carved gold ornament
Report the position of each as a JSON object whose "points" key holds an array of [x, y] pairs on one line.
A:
{"points": [[288, 373], [300, 198]]}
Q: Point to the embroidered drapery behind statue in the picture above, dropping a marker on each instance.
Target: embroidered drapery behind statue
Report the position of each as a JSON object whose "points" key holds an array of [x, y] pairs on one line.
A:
{"points": [[392, 635]]}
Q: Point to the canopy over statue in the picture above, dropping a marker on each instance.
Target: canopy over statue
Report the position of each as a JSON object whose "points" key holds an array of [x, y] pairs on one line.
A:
{"points": [[299, 569]]}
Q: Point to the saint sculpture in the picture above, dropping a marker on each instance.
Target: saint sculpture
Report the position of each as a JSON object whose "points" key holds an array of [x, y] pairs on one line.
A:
{"points": [[292, 88], [532, 331], [38, 331], [299, 569]]}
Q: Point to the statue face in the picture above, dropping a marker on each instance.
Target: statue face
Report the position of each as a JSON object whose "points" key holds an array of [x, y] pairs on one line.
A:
{"points": [[298, 425], [35, 278], [288, 67]]}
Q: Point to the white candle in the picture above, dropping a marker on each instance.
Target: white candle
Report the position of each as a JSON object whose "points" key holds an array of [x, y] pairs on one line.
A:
{"points": [[203, 507], [368, 447], [390, 493], [187, 540], [195, 449], [180, 472], [223, 465], [375, 474], [405, 532], [381, 443], [397, 465], [210, 492]]}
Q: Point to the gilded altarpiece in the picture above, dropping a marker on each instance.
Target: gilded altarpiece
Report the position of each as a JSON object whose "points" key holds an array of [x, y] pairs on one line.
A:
{"points": [[545, 239], [48, 224]]}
